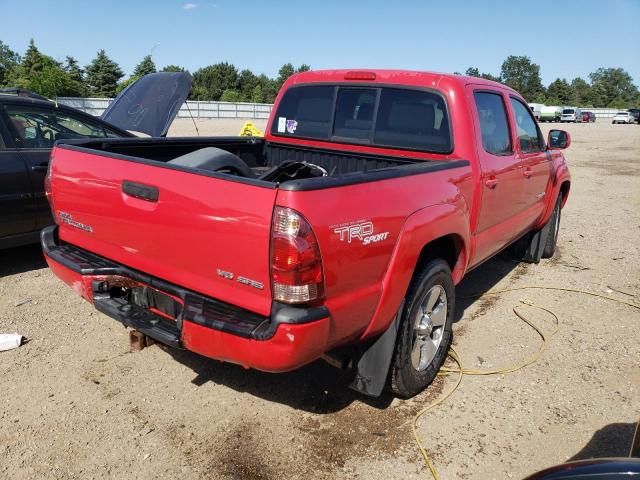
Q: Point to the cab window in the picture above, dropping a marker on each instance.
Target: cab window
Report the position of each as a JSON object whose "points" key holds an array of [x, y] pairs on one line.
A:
{"points": [[528, 134], [494, 125], [35, 127]]}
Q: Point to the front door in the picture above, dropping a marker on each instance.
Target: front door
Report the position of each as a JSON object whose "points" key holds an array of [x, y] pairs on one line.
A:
{"points": [[536, 162]]}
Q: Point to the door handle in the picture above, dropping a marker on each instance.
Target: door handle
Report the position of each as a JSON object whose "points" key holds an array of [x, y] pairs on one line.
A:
{"points": [[41, 167], [491, 182], [527, 172], [141, 191]]}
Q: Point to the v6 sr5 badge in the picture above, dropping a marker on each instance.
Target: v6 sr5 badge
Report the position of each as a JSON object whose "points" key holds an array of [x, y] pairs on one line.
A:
{"points": [[362, 231]]}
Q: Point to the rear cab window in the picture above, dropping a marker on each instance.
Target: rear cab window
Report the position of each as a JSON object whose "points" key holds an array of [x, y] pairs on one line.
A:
{"points": [[402, 118]]}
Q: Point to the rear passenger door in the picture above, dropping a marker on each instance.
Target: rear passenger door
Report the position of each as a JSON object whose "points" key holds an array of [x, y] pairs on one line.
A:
{"points": [[536, 162], [502, 208], [16, 202]]}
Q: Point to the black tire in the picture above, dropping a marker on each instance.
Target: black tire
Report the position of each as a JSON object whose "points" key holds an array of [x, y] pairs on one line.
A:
{"points": [[405, 379], [552, 237]]}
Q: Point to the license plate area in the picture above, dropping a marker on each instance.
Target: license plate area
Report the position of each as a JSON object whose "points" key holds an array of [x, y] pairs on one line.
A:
{"points": [[144, 296]]}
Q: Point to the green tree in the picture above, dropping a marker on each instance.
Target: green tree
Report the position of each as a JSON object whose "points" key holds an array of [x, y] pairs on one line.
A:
{"points": [[42, 74], [77, 85], [304, 68], [559, 92], [613, 87], [247, 81], [523, 76], [285, 72], [474, 72], [8, 61], [210, 82], [580, 93], [269, 88], [172, 68], [256, 94], [145, 67], [231, 96], [103, 75]]}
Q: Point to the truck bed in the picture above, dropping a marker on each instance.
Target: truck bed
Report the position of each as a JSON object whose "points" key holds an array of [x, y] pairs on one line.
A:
{"points": [[262, 157]]}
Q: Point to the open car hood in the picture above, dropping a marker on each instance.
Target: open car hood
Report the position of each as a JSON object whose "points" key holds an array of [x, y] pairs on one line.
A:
{"points": [[150, 104]]}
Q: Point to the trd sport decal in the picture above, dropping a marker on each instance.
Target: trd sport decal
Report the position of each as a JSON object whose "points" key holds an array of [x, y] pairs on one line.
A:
{"points": [[360, 230]]}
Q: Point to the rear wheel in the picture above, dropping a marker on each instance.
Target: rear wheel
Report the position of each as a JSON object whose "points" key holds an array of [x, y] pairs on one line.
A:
{"points": [[425, 330], [552, 237]]}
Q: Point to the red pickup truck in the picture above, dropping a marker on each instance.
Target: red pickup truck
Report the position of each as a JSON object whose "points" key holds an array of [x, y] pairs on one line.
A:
{"points": [[340, 235]]}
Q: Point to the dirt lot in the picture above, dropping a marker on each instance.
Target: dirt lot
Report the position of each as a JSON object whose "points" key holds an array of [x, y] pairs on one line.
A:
{"points": [[76, 404]]}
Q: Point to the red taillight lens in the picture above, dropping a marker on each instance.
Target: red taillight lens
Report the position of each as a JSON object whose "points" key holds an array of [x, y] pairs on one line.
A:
{"points": [[296, 265]]}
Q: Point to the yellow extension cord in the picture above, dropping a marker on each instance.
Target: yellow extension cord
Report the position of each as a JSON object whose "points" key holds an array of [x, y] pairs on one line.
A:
{"points": [[461, 371]]}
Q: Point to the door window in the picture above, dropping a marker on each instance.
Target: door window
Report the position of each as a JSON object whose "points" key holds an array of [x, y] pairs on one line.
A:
{"points": [[494, 126], [528, 133], [35, 127]]}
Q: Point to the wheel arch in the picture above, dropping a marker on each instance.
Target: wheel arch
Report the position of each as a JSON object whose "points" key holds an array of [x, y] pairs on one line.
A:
{"points": [[440, 231]]}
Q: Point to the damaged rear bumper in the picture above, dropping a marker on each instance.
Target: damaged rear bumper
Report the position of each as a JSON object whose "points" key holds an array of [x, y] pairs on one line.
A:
{"points": [[289, 338]]}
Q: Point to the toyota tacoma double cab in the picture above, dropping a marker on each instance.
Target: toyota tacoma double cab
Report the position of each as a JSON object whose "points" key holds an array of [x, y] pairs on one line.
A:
{"points": [[340, 235]]}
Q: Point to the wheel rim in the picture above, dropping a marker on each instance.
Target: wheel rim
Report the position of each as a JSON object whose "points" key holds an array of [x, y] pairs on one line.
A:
{"points": [[428, 327]]}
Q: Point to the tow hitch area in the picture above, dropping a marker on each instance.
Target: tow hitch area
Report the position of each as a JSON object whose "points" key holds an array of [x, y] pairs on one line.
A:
{"points": [[138, 341], [150, 312]]}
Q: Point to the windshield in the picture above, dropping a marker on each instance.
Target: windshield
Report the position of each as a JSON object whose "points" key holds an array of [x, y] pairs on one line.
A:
{"points": [[390, 117], [568, 111], [624, 114]]}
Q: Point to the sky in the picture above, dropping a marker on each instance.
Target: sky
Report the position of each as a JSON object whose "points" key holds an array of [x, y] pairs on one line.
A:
{"points": [[567, 38]]}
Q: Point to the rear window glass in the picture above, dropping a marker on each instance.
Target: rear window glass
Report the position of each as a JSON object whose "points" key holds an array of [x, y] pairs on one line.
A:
{"points": [[390, 117], [305, 112], [568, 111]]}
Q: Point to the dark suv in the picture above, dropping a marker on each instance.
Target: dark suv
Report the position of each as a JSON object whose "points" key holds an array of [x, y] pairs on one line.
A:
{"points": [[31, 124], [636, 113], [29, 127]]}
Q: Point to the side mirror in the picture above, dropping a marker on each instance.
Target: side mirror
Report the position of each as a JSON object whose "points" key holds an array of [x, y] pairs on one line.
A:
{"points": [[559, 139]]}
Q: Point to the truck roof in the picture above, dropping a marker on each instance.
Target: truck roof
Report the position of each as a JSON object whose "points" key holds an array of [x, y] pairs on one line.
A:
{"points": [[402, 77]]}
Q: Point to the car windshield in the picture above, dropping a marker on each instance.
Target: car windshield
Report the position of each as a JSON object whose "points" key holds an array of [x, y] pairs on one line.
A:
{"points": [[624, 114], [568, 111]]}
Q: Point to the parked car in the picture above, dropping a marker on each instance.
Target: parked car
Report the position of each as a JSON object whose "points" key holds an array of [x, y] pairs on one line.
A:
{"points": [[571, 114], [339, 235], [536, 109], [623, 117], [588, 117], [31, 124], [550, 114], [636, 113]]}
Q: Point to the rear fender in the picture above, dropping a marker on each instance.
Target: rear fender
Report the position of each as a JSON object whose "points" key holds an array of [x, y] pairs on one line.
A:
{"points": [[420, 228]]}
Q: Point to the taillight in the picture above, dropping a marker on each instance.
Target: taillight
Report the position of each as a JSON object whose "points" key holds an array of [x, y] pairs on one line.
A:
{"points": [[296, 265], [47, 190]]}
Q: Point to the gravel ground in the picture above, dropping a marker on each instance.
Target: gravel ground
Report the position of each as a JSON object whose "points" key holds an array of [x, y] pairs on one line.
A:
{"points": [[76, 404]]}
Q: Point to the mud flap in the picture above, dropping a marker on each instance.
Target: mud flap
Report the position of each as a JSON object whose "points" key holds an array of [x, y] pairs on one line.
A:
{"points": [[536, 243], [372, 368]]}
